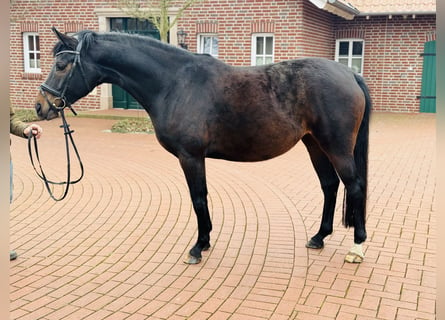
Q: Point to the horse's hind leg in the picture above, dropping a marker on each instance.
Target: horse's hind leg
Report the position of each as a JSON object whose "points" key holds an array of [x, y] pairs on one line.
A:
{"points": [[329, 184], [194, 171], [355, 204]]}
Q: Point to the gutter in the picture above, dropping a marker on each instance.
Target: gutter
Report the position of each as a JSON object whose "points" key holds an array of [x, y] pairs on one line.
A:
{"points": [[395, 13], [345, 6], [337, 7]]}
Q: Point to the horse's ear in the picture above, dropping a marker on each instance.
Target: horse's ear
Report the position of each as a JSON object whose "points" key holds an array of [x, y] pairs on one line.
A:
{"points": [[66, 40]]}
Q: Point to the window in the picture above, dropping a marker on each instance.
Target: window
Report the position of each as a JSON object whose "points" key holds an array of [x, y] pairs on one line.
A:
{"points": [[137, 26], [350, 53], [262, 49], [31, 51], [208, 43]]}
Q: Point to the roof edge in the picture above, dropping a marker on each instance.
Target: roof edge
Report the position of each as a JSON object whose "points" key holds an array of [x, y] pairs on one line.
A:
{"points": [[396, 13]]}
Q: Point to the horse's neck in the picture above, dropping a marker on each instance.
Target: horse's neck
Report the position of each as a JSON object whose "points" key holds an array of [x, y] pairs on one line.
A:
{"points": [[140, 69]]}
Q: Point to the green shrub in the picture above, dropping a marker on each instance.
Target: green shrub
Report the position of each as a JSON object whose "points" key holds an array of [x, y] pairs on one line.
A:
{"points": [[135, 125], [26, 115]]}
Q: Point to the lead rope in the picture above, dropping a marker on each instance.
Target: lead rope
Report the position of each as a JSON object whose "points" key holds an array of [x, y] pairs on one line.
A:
{"points": [[41, 174]]}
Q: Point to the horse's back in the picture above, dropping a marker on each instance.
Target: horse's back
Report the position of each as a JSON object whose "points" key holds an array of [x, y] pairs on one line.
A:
{"points": [[315, 77]]}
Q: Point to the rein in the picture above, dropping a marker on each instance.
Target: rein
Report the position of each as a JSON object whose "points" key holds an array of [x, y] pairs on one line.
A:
{"points": [[68, 139], [60, 96]]}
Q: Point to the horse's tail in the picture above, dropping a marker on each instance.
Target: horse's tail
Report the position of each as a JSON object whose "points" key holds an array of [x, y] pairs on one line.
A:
{"points": [[361, 153]]}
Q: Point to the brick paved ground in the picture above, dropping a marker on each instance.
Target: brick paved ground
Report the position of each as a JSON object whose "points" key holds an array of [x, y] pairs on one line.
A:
{"points": [[114, 248]]}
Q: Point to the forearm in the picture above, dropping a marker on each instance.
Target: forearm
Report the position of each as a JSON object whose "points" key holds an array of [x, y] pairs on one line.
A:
{"points": [[17, 126]]}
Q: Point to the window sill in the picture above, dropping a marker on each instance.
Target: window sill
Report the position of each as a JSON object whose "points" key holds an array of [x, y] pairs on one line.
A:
{"points": [[32, 76]]}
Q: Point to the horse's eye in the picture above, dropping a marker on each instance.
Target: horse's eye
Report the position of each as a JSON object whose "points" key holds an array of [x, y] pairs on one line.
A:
{"points": [[60, 66]]}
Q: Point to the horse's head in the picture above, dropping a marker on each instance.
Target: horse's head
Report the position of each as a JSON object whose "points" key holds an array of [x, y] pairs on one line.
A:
{"points": [[69, 80]]}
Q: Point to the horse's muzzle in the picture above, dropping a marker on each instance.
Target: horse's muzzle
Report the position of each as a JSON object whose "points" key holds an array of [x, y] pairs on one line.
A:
{"points": [[50, 114]]}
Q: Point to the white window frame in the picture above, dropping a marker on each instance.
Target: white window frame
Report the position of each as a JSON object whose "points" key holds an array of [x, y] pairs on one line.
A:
{"points": [[27, 52], [201, 37], [264, 55], [350, 56]]}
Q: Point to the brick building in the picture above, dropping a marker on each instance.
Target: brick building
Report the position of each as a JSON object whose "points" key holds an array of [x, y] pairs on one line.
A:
{"points": [[383, 40]]}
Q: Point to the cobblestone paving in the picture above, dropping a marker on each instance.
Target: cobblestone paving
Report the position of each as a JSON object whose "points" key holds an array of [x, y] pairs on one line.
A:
{"points": [[114, 248]]}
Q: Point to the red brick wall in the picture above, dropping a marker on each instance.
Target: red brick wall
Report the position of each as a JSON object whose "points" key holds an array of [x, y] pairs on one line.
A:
{"points": [[316, 37], [393, 65], [237, 20], [299, 28]]}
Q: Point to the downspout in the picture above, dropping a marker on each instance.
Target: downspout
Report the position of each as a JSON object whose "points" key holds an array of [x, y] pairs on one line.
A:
{"points": [[385, 45]]}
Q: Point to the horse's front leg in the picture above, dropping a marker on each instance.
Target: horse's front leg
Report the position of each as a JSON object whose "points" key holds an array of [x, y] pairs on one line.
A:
{"points": [[194, 171]]}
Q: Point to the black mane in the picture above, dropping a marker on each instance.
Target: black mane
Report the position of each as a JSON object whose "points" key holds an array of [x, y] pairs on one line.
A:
{"points": [[131, 39], [88, 37]]}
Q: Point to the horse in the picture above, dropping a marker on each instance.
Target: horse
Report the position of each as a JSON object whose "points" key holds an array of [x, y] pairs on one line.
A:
{"points": [[204, 108]]}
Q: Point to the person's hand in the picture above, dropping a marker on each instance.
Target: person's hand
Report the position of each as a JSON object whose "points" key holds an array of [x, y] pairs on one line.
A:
{"points": [[35, 129]]}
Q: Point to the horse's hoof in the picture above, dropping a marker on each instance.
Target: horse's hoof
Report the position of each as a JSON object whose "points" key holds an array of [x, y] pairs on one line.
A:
{"points": [[355, 255], [352, 257], [192, 260], [311, 244]]}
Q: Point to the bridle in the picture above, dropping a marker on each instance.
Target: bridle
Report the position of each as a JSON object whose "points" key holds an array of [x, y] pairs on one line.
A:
{"points": [[60, 96]]}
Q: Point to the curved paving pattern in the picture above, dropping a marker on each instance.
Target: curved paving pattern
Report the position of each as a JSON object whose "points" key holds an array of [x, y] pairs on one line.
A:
{"points": [[114, 248]]}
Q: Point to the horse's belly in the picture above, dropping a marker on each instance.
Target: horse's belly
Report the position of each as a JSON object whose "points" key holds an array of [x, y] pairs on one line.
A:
{"points": [[251, 148]]}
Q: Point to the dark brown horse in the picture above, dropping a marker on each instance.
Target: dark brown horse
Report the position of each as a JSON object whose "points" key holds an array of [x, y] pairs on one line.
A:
{"points": [[201, 107]]}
